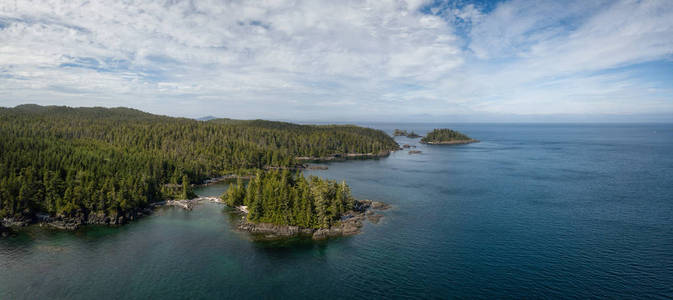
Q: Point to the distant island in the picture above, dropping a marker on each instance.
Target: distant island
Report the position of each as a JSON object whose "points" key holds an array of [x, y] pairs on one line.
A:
{"points": [[399, 132], [65, 167], [279, 204], [446, 136]]}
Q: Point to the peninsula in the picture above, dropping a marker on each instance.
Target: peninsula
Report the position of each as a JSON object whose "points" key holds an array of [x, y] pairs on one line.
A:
{"points": [[66, 167], [446, 137]]}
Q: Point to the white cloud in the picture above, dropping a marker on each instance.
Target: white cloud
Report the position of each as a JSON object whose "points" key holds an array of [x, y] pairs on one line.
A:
{"points": [[540, 57], [334, 59]]}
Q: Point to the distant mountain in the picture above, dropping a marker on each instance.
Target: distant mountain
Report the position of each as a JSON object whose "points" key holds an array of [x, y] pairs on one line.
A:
{"points": [[206, 118]]}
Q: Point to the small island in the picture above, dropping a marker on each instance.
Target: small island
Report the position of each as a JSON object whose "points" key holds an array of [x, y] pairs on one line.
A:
{"points": [[280, 205], [446, 136], [412, 134]]}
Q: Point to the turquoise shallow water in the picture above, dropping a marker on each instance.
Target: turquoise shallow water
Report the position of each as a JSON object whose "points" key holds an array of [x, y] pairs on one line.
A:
{"points": [[533, 211]]}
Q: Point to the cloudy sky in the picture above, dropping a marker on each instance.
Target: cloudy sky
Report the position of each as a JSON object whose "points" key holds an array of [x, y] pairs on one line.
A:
{"points": [[344, 60]]}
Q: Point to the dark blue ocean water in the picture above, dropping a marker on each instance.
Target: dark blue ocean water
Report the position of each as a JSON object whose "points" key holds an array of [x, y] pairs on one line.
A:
{"points": [[533, 211]]}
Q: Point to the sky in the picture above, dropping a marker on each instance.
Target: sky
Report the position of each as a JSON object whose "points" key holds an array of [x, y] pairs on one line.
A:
{"points": [[403, 60]]}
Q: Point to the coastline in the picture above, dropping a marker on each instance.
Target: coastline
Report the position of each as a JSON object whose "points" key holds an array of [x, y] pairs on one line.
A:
{"points": [[78, 220], [350, 224], [75, 221], [344, 156]]}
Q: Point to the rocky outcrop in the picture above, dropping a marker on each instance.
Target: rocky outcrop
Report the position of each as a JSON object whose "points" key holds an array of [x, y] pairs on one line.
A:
{"points": [[350, 224]]}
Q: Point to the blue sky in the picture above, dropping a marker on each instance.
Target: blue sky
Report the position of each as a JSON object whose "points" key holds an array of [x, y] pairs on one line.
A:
{"points": [[399, 60]]}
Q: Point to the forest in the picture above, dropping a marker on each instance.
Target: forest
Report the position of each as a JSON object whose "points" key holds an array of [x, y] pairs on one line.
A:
{"points": [[60, 160], [444, 135], [279, 197]]}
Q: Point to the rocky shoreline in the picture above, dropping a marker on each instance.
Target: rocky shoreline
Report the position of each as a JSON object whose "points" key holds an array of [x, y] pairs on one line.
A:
{"points": [[350, 224], [344, 156], [74, 222], [455, 142]]}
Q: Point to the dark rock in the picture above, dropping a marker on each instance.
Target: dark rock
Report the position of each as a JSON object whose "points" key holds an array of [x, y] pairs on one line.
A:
{"points": [[362, 205]]}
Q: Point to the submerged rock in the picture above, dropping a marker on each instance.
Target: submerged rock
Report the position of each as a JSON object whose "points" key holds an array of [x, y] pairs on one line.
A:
{"points": [[380, 205], [374, 218]]}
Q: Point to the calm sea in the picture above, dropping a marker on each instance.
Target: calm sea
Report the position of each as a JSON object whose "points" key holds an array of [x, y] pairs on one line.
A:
{"points": [[533, 211]]}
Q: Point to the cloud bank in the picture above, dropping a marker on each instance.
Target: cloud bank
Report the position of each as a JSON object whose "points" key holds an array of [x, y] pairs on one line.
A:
{"points": [[340, 60]]}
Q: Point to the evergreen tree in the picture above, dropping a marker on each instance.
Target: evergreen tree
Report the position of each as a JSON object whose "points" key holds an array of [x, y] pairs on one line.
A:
{"points": [[185, 187]]}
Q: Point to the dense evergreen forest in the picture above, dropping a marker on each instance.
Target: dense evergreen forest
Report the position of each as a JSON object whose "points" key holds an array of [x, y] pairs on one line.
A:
{"points": [[444, 135], [281, 198], [61, 160]]}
